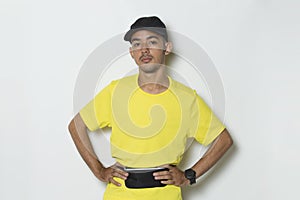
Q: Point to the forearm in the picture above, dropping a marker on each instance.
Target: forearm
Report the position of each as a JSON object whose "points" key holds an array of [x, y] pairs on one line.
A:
{"points": [[80, 137], [219, 147]]}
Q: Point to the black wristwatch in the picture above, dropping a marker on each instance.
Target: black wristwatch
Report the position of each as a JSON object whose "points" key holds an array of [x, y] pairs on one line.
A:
{"points": [[191, 175]]}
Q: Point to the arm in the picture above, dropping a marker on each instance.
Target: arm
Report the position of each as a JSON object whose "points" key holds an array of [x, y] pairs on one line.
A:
{"points": [[218, 148], [78, 131]]}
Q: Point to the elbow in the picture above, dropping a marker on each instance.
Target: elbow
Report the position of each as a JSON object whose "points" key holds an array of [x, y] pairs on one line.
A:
{"points": [[76, 125], [230, 141], [227, 139], [71, 126]]}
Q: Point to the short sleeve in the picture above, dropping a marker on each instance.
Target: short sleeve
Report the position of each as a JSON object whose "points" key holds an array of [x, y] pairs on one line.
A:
{"points": [[97, 113], [209, 126]]}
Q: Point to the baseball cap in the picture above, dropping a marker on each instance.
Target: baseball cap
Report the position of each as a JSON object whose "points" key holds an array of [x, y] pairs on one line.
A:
{"points": [[152, 23]]}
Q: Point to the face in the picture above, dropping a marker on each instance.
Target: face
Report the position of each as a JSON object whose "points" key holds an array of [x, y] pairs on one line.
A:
{"points": [[148, 50]]}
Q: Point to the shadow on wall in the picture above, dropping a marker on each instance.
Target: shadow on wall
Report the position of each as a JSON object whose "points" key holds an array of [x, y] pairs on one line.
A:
{"points": [[209, 177]]}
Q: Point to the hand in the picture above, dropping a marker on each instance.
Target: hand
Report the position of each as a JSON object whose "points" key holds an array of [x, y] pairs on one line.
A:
{"points": [[108, 174], [172, 177]]}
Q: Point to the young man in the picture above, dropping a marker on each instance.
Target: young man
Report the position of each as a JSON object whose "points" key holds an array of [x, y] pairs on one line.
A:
{"points": [[151, 117]]}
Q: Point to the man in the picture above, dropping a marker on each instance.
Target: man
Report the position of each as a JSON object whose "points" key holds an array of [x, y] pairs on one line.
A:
{"points": [[151, 116]]}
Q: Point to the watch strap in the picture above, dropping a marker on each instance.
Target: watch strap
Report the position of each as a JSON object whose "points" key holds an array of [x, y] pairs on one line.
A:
{"points": [[190, 174]]}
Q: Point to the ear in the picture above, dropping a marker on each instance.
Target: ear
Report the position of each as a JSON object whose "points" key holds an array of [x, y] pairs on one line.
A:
{"points": [[131, 52], [169, 47]]}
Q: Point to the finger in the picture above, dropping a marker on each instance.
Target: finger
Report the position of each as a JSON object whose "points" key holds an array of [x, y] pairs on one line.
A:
{"points": [[166, 166], [120, 174], [168, 182], [113, 181], [163, 177], [169, 166], [161, 173], [120, 170]]}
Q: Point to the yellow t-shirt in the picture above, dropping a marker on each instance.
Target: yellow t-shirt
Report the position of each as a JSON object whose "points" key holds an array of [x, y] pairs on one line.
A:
{"points": [[150, 130]]}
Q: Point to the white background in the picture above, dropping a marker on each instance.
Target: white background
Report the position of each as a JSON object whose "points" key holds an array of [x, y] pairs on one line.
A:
{"points": [[254, 45]]}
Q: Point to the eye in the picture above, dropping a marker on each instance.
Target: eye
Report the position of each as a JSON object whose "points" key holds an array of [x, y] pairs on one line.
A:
{"points": [[136, 44], [153, 42]]}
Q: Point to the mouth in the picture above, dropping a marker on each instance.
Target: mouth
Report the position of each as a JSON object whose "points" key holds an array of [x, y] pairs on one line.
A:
{"points": [[146, 59]]}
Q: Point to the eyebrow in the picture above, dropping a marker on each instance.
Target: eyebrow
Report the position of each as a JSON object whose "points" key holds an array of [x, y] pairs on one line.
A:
{"points": [[135, 39], [152, 36], [148, 38]]}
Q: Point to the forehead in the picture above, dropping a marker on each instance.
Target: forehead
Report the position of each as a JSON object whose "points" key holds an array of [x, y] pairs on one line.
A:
{"points": [[145, 34]]}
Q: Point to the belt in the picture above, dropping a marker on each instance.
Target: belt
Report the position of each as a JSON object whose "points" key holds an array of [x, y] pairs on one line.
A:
{"points": [[143, 178]]}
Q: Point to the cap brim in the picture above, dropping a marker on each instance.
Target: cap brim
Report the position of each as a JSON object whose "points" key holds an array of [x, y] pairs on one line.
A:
{"points": [[160, 31]]}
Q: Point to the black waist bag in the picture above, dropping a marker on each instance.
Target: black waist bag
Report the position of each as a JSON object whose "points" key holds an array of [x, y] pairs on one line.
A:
{"points": [[143, 179]]}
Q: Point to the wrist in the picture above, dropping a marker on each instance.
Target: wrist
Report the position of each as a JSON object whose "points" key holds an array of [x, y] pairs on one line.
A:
{"points": [[190, 174], [98, 169]]}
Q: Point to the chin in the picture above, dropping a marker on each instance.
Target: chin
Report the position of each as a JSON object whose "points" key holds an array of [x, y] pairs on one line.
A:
{"points": [[149, 67]]}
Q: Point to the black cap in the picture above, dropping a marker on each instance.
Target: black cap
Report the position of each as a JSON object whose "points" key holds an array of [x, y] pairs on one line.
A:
{"points": [[153, 24]]}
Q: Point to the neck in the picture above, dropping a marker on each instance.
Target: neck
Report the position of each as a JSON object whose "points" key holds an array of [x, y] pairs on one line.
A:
{"points": [[153, 83]]}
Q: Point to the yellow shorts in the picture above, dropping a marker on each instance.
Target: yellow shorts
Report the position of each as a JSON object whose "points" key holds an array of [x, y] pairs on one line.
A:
{"points": [[169, 192]]}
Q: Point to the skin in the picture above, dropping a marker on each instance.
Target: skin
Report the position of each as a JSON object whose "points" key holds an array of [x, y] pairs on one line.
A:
{"points": [[148, 51], [78, 131], [218, 148]]}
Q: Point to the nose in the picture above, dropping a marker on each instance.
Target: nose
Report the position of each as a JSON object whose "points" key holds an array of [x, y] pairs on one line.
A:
{"points": [[144, 47]]}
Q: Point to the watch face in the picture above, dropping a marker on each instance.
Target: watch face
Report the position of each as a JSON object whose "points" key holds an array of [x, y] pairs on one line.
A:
{"points": [[190, 173]]}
